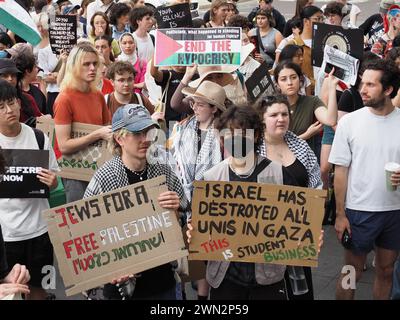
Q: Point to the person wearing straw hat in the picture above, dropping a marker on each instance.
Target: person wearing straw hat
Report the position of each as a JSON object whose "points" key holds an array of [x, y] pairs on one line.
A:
{"points": [[196, 146]]}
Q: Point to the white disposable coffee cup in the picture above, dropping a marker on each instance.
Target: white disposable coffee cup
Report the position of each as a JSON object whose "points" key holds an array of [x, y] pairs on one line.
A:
{"points": [[390, 168]]}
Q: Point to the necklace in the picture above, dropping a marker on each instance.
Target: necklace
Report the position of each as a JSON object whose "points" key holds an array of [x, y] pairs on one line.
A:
{"points": [[138, 173], [244, 176]]}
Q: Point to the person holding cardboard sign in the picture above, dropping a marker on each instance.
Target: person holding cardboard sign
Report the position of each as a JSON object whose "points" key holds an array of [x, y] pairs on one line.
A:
{"points": [[301, 164], [133, 130], [79, 101], [24, 229], [241, 129]]}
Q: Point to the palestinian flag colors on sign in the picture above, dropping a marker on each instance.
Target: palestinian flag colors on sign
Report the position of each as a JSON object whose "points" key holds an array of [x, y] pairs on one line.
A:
{"points": [[204, 46], [14, 17]]}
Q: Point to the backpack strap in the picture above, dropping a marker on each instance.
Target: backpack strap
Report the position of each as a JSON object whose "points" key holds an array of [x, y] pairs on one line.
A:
{"points": [[152, 39], [139, 98], [39, 135]]}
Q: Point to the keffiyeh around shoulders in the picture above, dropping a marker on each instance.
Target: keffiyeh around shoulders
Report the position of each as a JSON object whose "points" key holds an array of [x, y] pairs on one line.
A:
{"points": [[304, 154]]}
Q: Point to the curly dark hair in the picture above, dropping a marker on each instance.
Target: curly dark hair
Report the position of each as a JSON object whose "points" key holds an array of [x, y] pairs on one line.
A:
{"points": [[389, 71], [245, 118], [238, 20], [334, 8], [117, 11]]}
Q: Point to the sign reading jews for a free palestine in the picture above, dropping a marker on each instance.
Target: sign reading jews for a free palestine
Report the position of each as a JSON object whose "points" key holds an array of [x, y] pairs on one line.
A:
{"points": [[117, 233], [202, 46], [251, 222], [83, 164], [20, 179]]}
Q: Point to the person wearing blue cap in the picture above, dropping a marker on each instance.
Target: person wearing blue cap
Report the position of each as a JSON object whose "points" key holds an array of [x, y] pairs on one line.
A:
{"points": [[133, 132]]}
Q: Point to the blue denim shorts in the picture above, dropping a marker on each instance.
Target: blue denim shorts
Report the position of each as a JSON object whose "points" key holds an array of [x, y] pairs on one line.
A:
{"points": [[370, 229]]}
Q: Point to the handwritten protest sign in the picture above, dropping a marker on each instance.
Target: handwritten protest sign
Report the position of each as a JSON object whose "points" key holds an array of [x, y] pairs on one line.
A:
{"points": [[176, 16], [121, 232], [83, 164], [203, 46], [350, 41], [250, 222], [259, 82], [20, 179], [62, 33]]}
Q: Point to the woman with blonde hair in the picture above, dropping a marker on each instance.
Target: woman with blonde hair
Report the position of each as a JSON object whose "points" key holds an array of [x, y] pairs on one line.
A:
{"points": [[80, 101]]}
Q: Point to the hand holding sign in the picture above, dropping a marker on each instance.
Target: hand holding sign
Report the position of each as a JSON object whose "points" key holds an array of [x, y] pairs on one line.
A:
{"points": [[104, 133], [169, 200], [48, 177]]}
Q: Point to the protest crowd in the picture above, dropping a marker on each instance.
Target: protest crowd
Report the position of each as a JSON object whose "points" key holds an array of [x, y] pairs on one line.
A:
{"points": [[252, 100]]}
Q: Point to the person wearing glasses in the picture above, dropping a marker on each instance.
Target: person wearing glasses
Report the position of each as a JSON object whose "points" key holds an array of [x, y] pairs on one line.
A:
{"points": [[24, 228], [133, 131], [308, 15], [196, 146]]}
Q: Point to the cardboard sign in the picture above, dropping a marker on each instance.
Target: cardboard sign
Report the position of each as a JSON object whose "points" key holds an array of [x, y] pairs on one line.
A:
{"points": [[259, 82], [20, 179], [176, 16], [62, 33], [121, 232], [83, 164], [251, 222], [350, 41], [203, 46]]}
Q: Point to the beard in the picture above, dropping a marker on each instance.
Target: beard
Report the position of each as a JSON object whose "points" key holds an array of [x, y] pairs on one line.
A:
{"points": [[375, 103]]}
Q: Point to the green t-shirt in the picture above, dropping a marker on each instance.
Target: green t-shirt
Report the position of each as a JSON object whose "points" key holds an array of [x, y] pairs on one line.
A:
{"points": [[303, 116], [303, 113]]}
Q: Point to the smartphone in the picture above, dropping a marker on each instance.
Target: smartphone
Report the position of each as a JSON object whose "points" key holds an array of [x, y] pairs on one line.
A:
{"points": [[338, 73], [346, 239]]}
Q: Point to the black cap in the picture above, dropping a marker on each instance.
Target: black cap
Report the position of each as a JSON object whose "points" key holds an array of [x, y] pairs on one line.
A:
{"points": [[8, 66]]}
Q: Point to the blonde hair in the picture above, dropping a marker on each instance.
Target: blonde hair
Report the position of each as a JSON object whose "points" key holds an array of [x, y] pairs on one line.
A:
{"points": [[42, 19], [74, 64], [113, 145]]}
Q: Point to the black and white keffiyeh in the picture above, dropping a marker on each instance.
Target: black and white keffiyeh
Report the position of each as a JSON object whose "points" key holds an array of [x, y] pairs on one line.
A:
{"points": [[191, 163], [112, 176], [304, 154]]}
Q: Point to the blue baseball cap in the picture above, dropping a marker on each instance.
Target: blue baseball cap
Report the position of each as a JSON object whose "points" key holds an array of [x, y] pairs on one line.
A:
{"points": [[133, 117]]}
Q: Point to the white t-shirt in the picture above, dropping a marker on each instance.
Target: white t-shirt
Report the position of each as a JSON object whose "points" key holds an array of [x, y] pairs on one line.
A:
{"points": [[354, 12], [365, 142], [145, 47], [47, 60], [21, 219]]}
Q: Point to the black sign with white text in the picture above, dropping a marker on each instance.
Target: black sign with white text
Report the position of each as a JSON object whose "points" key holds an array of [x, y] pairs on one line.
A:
{"points": [[176, 16], [20, 179], [259, 82], [62, 33]]}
